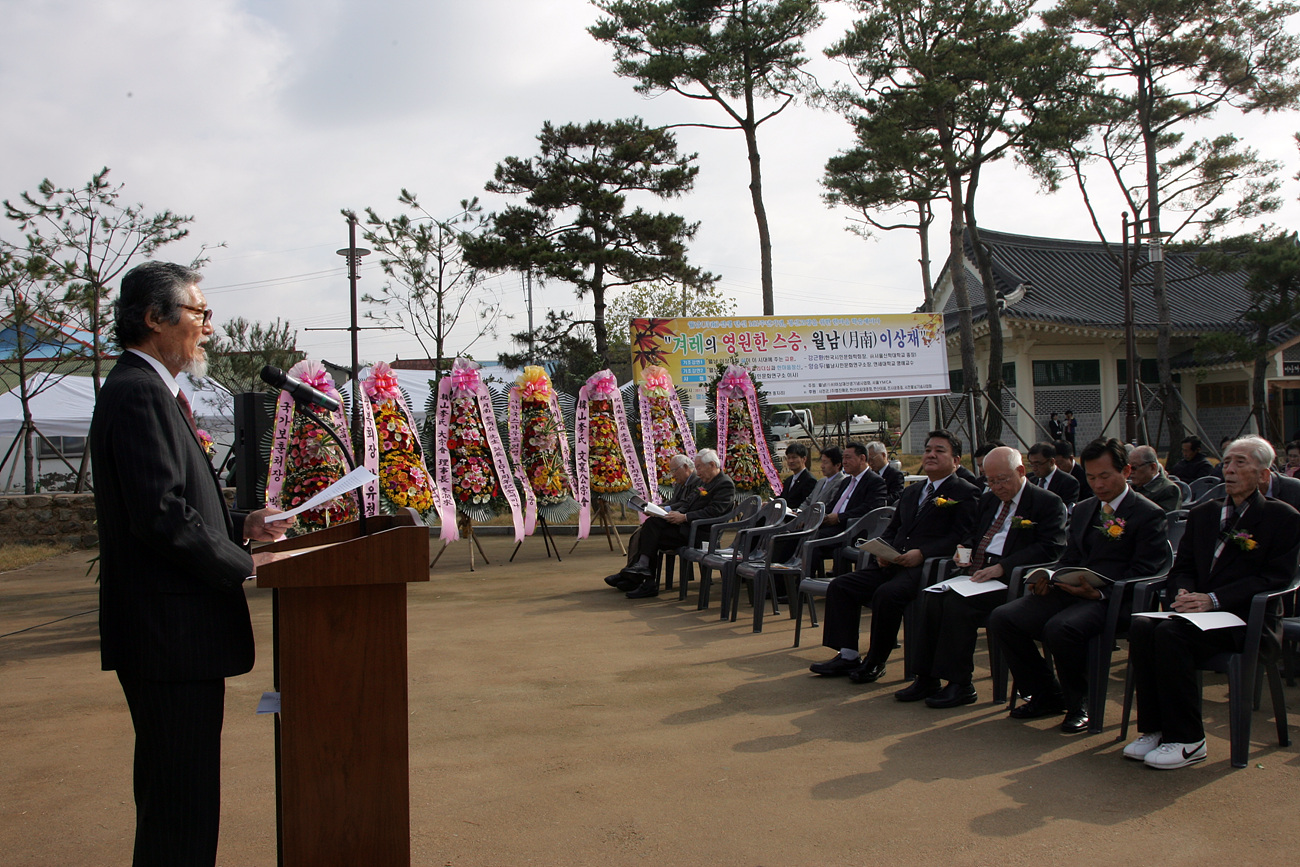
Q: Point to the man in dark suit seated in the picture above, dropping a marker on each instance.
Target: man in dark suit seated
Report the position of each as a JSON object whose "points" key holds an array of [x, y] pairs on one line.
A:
{"points": [[1233, 548], [1148, 479], [1066, 463], [878, 460], [1042, 460], [832, 462], [929, 521], [858, 494], [684, 481], [801, 482], [1116, 533], [173, 619], [1018, 524], [712, 498], [1279, 486], [1194, 464]]}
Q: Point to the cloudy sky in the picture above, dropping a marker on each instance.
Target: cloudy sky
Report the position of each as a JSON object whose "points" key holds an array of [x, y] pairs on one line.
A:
{"points": [[264, 118]]}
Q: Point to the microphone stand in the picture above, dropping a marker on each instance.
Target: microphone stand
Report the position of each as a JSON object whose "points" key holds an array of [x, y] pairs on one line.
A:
{"points": [[301, 407]]}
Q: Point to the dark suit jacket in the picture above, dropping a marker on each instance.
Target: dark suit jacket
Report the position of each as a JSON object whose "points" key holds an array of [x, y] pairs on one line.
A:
{"points": [[894, 483], [935, 530], [794, 495], [1286, 489], [680, 491], [1163, 492], [824, 490], [1237, 575], [1063, 485], [171, 574], [1081, 477], [1142, 549], [1041, 543], [1190, 471], [868, 495], [710, 499], [965, 475]]}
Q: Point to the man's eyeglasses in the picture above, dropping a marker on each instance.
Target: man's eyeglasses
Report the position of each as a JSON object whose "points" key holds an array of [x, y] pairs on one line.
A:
{"points": [[205, 312]]}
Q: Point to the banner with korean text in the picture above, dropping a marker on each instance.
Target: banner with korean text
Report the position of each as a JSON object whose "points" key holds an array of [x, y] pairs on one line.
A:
{"points": [[802, 359]]}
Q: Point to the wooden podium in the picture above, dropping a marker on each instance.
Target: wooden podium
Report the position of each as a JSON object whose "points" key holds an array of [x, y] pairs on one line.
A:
{"points": [[343, 774]]}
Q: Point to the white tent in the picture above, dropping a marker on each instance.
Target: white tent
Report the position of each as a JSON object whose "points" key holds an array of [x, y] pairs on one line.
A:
{"points": [[64, 409]]}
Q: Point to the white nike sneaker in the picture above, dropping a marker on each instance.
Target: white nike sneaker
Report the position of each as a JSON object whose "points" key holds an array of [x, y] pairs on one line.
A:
{"points": [[1170, 756], [1139, 748]]}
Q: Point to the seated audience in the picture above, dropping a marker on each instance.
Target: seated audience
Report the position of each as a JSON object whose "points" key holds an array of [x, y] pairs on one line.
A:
{"points": [[1066, 463], [684, 480], [1194, 464], [831, 461], [1018, 525], [801, 482], [930, 520], [713, 497], [1292, 458], [878, 460], [858, 494], [1116, 533], [1233, 549], [1147, 477], [1042, 460]]}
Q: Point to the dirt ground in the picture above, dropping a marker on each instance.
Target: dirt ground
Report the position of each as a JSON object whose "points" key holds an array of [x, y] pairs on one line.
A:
{"points": [[554, 722]]}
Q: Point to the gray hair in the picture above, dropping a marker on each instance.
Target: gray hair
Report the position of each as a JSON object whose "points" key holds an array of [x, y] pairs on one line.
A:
{"points": [[708, 456], [158, 286], [1260, 451], [679, 460], [875, 447], [1144, 455]]}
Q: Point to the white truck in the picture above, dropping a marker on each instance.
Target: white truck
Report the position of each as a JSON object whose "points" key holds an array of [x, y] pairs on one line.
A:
{"points": [[789, 424]]}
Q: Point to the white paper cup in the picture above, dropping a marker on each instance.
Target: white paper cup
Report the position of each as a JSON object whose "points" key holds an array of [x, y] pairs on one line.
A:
{"points": [[962, 556]]}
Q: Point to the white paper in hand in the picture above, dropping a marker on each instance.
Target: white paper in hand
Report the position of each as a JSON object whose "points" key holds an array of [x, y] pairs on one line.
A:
{"points": [[350, 482]]}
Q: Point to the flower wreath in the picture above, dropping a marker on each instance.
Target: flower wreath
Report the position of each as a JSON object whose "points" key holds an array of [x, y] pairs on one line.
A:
{"points": [[473, 475], [404, 480], [539, 448], [741, 442], [605, 463], [305, 459], [664, 430]]}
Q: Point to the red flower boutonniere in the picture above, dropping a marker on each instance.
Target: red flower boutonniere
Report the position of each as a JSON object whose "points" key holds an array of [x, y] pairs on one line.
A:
{"points": [[1243, 540]]}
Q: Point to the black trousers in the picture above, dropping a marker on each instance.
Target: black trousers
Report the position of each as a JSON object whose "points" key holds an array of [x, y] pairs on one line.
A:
{"points": [[1166, 655], [886, 591], [177, 769], [1064, 623], [655, 535], [950, 629]]}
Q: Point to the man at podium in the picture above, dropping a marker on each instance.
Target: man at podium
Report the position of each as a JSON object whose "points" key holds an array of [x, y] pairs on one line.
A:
{"points": [[173, 620]]}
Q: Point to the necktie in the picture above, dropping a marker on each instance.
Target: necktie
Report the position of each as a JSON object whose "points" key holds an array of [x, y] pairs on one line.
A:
{"points": [[844, 499], [977, 561], [1107, 509], [185, 410], [929, 494]]}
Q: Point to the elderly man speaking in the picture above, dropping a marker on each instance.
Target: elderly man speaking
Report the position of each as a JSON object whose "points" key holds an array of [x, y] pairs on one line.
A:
{"points": [[712, 498]]}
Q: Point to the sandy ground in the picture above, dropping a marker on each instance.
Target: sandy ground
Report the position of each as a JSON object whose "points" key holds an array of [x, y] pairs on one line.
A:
{"points": [[554, 722]]}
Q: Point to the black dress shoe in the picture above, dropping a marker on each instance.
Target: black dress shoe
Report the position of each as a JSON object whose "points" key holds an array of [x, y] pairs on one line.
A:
{"points": [[920, 687], [868, 672], [1076, 722], [1038, 707], [615, 580], [645, 590], [835, 667], [643, 571], [953, 695]]}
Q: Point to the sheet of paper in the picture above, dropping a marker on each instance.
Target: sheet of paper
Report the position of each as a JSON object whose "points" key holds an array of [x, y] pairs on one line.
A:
{"points": [[1204, 620], [270, 703], [350, 482], [652, 509], [967, 587]]}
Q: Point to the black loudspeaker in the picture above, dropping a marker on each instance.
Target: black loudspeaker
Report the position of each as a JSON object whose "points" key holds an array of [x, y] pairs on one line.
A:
{"points": [[254, 419]]}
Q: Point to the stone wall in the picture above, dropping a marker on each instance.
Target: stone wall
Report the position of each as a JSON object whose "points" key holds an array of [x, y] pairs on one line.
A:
{"points": [[60, 519]]}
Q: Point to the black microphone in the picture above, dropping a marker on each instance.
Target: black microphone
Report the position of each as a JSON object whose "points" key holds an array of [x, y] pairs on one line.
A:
{"points": [[301, 391]]}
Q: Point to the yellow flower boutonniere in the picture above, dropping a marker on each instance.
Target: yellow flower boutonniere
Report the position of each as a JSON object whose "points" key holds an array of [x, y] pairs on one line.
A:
{"points": [[1020, 523], [703, 492], [1112, 527], [944, 502], [1244, 541]]}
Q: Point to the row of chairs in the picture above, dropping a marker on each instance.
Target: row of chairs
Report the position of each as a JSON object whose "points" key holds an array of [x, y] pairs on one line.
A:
{"points": [[758, 532]]}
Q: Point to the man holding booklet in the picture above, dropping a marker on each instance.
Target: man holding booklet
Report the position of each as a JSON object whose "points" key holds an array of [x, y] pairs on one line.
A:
{"points": [[1233, 548], [1018, 524], [930, 520], [1118, 534]]}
